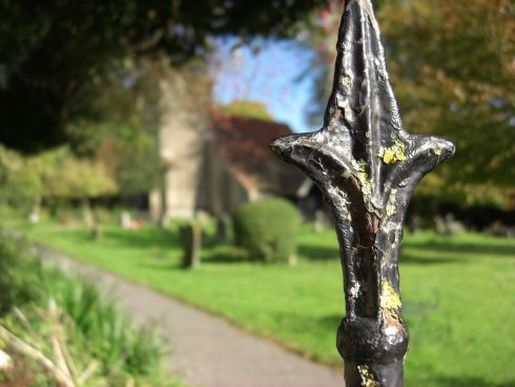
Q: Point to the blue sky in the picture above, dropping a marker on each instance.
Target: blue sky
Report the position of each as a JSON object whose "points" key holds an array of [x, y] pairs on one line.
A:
{"points": [[275, 72]]}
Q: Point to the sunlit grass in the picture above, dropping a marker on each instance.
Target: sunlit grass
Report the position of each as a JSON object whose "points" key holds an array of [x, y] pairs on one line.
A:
{"points": [[458, 293]]}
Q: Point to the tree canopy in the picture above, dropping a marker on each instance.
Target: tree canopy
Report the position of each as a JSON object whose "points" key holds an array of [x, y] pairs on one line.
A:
{"points": [[452, 68], [54, 174], [246, 108], [453, 64], [63, 62], [54, 52]]}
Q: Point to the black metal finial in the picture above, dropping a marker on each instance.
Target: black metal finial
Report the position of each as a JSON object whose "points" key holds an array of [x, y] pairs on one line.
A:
{"points": [[367, 167]]}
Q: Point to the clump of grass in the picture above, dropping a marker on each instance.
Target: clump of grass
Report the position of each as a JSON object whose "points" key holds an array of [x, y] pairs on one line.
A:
{"points": [[105, 332], [62, 330], [20, 275]]}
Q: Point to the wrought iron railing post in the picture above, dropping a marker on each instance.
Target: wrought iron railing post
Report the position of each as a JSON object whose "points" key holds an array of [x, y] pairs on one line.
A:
{"points": [[367, 167]]}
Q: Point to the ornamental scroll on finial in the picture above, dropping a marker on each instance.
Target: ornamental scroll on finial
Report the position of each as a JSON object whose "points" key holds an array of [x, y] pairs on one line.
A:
{"points": [[367, 167]]}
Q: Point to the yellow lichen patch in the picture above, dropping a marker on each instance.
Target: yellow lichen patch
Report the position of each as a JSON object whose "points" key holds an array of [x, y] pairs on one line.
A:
{"points": [[390, 210], [368, 378], [394, 153], [346, 81], [366, 184], [389, 298], [437, 151]]}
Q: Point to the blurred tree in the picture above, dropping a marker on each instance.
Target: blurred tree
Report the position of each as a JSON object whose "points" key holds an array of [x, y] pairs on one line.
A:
{"points": [[452, 68], [130, 155], [52, 175], [20, 187], [245, 108], [132, 106], [123, 133], [54, 52], [65, 176]]}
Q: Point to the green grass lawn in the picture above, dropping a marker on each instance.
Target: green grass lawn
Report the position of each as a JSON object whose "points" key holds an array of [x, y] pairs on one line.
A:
{"points": [[458, 292]]}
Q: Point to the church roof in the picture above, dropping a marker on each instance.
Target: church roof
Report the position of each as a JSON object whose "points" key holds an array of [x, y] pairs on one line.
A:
{"points": [[241, 143]]}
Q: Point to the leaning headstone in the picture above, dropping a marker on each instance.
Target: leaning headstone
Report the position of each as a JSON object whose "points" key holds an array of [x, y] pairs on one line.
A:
{"points": [[125, 220], [191, 237]]}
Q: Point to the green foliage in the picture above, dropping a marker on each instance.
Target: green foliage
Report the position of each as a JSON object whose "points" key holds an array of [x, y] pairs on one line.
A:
{"points": [[267, 229], [245, 108], [123, 133], [54, 54], [139, 168], [451, 65], [20, 275], [128, 149], [105, 332], [66, 176], [66, 214], [459, 85], [55, 174], [20, 184]]}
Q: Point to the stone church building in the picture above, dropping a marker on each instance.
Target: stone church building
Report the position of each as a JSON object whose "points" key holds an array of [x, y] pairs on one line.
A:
{"points": [[214, 161], [223, 166]]}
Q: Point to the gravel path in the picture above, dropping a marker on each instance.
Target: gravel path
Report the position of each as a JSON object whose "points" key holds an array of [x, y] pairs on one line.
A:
{"points": [[207, 350]]}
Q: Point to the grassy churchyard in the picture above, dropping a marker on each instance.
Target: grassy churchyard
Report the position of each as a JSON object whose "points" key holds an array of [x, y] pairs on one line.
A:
{"points": [[458, 294]]}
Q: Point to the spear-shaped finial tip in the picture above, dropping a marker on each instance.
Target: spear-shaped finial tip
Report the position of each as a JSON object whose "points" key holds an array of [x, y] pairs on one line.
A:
{"points": [[367, 166]]}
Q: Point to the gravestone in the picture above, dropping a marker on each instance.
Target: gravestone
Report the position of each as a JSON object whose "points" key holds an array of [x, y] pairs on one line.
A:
{"points": [[191, 239]]}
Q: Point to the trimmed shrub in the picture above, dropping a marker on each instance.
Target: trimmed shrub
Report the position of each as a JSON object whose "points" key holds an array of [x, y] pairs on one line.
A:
{"points": [[267, 230]]}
